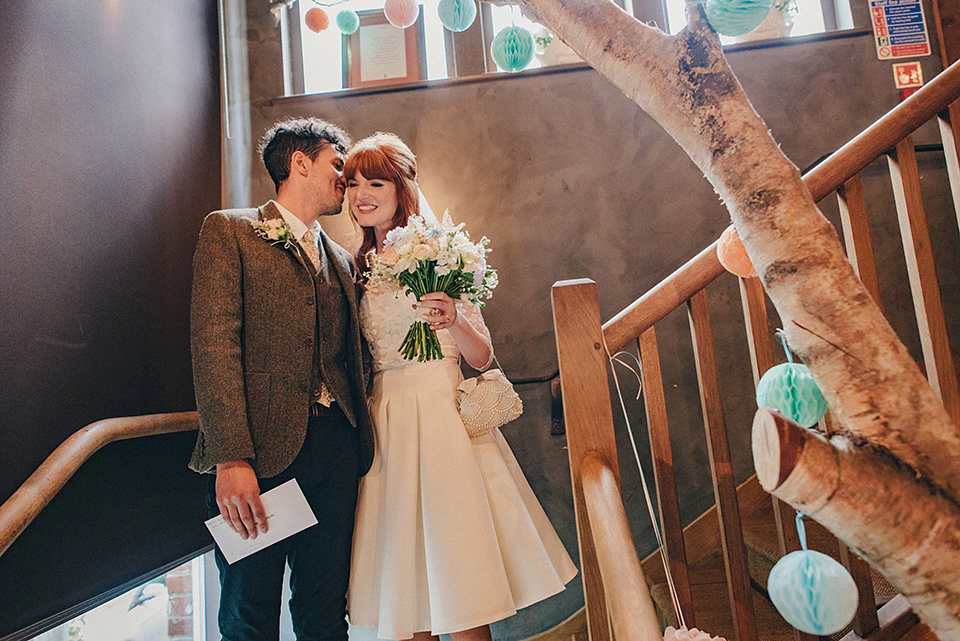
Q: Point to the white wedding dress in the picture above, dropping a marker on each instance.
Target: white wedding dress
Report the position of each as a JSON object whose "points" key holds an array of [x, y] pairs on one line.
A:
{"points": [[449, 535]]}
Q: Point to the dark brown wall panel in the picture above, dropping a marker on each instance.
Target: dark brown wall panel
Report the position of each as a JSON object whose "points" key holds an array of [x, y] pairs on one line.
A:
{"points": [[109, 159]]}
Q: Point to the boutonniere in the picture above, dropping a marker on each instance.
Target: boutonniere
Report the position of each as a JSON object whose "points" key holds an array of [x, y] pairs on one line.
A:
{"points": [[275, 231]]}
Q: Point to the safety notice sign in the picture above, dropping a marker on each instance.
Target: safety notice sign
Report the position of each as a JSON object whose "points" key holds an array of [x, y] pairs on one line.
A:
{"points": [[899, 29]]}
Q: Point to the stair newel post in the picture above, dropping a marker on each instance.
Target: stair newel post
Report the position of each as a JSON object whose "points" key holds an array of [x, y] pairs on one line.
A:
{"points": [[589, 421]]}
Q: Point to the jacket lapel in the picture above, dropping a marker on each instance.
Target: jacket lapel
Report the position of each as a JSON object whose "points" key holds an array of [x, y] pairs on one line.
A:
{"points": [[343, 269], [269, 211]]}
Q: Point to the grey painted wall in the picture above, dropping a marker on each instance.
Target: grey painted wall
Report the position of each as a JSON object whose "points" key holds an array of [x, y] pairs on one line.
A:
{"points": [[570, 179]]}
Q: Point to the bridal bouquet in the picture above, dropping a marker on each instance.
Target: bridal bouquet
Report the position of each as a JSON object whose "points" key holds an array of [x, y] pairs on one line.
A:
{"points": [[421, 259]]}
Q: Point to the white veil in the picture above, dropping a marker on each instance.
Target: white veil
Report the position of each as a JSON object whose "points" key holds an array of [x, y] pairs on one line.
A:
{"points": [[425, 211]]}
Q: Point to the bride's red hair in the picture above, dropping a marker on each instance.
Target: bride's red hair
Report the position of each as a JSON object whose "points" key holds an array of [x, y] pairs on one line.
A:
{"points": [[383, 156]]}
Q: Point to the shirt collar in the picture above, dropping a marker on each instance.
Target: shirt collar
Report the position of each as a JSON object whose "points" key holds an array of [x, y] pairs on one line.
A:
{"points": [[296, 225]]}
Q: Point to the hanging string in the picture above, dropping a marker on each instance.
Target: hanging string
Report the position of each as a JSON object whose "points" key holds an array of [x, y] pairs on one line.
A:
{"points": [[643, 481], [801, 530], [277, 5], [636, 372], [782, 335]]}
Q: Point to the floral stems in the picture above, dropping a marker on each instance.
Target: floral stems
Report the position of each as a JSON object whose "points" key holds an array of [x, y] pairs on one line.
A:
{"points": [[421, 343]]}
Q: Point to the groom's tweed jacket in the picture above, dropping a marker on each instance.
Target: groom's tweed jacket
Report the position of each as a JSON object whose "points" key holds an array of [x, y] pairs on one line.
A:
{"points": [[258, 319]]}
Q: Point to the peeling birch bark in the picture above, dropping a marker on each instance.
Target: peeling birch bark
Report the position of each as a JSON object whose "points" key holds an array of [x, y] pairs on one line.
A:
{"points": [[871, 383], [906, 529]]}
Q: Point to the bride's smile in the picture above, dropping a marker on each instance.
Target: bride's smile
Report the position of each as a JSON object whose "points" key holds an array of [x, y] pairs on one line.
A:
{"points": [[373, 202]]}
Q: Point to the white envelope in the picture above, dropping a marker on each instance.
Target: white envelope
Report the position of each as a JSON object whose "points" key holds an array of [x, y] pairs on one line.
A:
{"points": [[287, 513]]}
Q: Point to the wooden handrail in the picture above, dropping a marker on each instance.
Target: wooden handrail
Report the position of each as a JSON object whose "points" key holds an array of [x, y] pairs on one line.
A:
{"points": [[19, 510], [885, 133], [631, 611], [829, 175], [665, 297]]}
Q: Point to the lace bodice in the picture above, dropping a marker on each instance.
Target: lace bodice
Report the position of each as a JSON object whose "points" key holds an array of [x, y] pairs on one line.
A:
{"points": [[386, 314]]}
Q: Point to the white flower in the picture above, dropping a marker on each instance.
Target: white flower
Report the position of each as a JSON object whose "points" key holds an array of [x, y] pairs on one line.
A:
{"points": [[275, 230]]}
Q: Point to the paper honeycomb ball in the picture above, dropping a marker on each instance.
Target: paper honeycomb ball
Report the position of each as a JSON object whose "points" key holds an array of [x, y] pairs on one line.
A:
{"points": [[736, 17], [348, 21], [790, 389], [457, 15], [401, 13], [732, 254], [512, 48], [813, 592], [316, 20]]}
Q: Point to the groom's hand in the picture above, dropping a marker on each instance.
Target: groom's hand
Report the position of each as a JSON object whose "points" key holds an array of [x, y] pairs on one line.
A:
{"points": [[238, 496]]}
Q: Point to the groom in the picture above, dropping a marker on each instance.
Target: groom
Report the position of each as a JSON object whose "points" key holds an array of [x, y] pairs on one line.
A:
{"points": [[280, 385]]}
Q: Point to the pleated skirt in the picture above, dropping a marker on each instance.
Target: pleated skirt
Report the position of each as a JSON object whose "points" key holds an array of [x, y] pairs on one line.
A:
{"points": [[449, 535]]}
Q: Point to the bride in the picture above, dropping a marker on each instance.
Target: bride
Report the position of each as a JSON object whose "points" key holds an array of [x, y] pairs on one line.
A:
{"points": [[449, 536]]}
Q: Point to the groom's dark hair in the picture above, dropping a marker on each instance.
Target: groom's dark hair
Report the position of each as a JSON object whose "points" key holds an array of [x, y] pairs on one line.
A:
{"points": [[309, 135]]}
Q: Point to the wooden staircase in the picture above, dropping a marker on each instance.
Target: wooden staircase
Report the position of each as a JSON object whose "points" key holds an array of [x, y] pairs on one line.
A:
{"points": [[720, 562], [708, 579]]}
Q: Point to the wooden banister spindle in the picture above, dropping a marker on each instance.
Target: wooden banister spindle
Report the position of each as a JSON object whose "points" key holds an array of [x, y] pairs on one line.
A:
{"points": [[949, 120], [589, 421], [761, 359], [865, 621], [667, 497], [724, 485], [856, 235], [937, 357]]}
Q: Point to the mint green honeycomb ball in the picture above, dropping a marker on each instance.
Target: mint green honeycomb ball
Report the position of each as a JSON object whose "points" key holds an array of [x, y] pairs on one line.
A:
{"points": [[790, 389], [348, 21], [512, 48], [736, 17], [813, 592]]}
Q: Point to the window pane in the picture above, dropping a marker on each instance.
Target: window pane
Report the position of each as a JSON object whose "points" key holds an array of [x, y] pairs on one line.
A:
{"points": [[807, 19], [166, 608], [323, 56], [502, 16]]}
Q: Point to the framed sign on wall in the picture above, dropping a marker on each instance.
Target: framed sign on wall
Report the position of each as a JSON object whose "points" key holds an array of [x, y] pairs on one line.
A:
{"points": [[378, 53]]}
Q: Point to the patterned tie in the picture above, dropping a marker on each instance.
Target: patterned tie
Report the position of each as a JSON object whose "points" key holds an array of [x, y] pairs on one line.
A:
{"points": [[309, 244]]}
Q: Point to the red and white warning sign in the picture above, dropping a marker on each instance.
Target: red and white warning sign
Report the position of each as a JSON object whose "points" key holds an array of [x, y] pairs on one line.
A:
{"points": [[907, 75]]}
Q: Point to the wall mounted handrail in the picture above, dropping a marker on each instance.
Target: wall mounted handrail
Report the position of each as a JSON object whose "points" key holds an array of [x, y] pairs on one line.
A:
{"points": [[25, 504]]}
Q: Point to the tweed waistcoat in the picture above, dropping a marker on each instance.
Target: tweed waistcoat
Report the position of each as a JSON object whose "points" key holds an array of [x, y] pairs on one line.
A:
{"points": [[333, 318]]}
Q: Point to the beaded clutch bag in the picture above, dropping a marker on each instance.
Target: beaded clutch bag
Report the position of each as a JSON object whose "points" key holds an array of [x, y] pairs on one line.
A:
{"points": [[487, 401]]}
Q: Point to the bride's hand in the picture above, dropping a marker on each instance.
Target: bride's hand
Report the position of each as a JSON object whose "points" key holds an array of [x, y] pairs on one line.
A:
{"points": [[439, 310]]}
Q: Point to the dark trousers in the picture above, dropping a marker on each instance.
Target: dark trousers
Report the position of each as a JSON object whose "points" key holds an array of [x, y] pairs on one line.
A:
{"points": [[326, 469]]}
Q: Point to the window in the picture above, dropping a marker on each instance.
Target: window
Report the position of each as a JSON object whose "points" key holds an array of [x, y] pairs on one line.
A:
{"points": [[322, 52], [801, 17], [168, 608], [315, 60], [319, 56]]}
